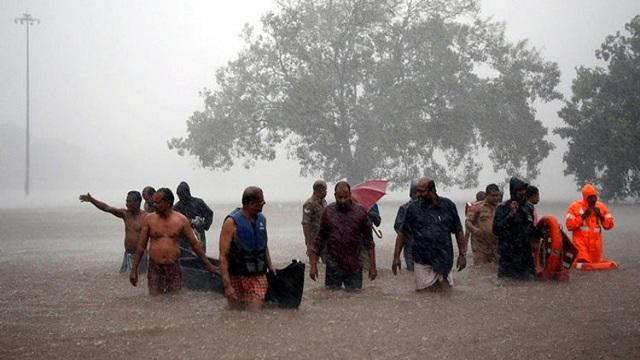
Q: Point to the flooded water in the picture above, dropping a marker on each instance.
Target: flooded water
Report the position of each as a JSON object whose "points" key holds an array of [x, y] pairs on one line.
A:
{"points": [[61, 296]]}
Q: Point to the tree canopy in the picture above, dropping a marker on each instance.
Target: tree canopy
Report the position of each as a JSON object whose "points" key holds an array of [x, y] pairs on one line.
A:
{"points": [[391, 89], [603, 118]]}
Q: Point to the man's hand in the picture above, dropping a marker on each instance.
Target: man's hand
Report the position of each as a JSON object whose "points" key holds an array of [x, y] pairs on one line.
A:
{"points": [[396, 265], [313, 272], [586, 213], [598, 214], [133, 277], [514, 208], [214, 270], [230, 293], [462, 262], [85, 197], [373, 272]]}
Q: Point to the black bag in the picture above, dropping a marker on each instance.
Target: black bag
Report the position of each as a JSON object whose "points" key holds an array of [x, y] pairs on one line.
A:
{"points": [[285, 287], [196, 277]]}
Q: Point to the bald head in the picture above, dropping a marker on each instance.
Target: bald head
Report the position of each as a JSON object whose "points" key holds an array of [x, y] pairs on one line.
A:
{"points": [[426, 190]]}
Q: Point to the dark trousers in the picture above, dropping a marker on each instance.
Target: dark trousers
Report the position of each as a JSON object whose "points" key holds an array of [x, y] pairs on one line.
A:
{"points": [[335, 277]]}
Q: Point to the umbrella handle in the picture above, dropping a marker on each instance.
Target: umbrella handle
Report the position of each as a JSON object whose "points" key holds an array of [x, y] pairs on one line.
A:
{"points": [[377, 232]]}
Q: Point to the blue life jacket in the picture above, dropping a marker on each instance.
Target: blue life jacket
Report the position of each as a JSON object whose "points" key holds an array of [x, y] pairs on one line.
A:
{"points": [[248, 251]]}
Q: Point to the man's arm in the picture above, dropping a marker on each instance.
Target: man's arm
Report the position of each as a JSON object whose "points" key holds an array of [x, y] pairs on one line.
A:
{"points": [[102, 206], [470, 221], [370, 246], [318, 244], [462, 250], [142, 245], [187, 232], [226, 236], [396, 264], [208, 215]]}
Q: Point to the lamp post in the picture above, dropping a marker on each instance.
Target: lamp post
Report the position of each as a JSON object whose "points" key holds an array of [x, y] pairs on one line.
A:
{"points": [[28, 21]]}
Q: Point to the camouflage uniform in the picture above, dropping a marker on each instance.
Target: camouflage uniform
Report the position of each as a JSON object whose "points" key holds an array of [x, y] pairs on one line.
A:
{"points": [[311, 214]]}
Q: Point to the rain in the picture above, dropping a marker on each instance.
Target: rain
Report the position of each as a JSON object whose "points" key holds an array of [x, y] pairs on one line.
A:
{"points": [[111, 84]]}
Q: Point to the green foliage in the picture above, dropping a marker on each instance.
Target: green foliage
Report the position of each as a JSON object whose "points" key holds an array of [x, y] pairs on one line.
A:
{"points": [[391, 89], [603, 118]]}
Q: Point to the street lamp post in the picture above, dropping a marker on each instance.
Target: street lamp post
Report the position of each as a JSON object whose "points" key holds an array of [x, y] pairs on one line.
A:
{"points": [[28, 21]]}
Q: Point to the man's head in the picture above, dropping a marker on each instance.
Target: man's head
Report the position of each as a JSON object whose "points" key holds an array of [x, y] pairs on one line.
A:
{"points": [[412, 189], [253, 199], [183, 191], [426, 190], [493, 194], [533, 194], [148, 192], [320, 189], [342, 192], [481, 195], [163, 200], [518, 190], [590, 195], [133, 200]]}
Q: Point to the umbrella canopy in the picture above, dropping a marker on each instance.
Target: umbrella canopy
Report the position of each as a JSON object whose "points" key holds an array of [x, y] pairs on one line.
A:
{"points": [[369, 192]]}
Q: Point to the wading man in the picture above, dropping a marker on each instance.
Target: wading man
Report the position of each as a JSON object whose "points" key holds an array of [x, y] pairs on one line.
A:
{"points": [[244, 253], [132, 217], [147, 195], [513, 227], [344, 231], [430, 221], [408, 241], [197, 212], [163, 230], [479, 222], [312, 212]]}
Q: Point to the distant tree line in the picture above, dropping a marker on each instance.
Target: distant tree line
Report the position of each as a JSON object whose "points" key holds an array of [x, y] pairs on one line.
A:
{"points": [[393, 89]]}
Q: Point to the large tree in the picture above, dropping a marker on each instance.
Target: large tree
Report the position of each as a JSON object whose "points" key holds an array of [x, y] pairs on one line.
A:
{"points": [[603, 118], [377, 88]]}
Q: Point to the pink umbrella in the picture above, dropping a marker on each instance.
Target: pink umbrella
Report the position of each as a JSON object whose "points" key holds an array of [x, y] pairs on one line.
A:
{"points": [[369, 192]]}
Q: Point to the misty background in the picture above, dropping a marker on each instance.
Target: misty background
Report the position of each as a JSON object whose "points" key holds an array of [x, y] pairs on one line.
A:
{"points": [[111, 82]]}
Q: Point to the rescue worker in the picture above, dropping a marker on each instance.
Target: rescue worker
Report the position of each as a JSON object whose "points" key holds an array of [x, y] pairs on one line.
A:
{"points": [[586, 219]]}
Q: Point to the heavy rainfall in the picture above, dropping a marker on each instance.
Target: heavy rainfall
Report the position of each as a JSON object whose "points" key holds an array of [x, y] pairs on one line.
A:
{"points": [[118, 96]]}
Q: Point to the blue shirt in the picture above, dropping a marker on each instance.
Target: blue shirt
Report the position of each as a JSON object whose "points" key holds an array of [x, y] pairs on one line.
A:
{"points": [[431, 229]]}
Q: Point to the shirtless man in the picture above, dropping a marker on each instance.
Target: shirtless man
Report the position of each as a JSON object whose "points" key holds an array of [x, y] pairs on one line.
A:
{"points": [[132, 217], [164, 228]]}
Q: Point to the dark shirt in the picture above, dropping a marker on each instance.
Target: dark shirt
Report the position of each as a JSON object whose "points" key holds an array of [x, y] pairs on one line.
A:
{"points": [[344, 233], [192, 208], [514, 235], [431, 229]]}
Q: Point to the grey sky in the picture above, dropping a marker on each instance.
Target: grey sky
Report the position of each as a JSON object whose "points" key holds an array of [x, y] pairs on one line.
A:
{"points": [[117, 79]]}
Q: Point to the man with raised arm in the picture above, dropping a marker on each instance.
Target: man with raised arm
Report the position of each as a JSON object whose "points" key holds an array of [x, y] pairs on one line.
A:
{"points": [[244, 253], [164, 228], [132, 217]]}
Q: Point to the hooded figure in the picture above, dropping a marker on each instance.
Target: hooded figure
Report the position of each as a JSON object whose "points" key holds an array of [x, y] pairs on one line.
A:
{"points": [[408, 254], [513, 227], [198, 213], [586, 219]]}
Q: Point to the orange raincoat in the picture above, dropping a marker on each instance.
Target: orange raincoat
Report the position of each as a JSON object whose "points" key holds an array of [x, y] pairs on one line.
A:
{"points": [[587, 233]]}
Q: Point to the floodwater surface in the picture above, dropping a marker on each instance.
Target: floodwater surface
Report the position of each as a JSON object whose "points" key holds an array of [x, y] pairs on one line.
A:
{"points": [[61, 297]]}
